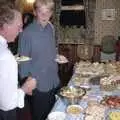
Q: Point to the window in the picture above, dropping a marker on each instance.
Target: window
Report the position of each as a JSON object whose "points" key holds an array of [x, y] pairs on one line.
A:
{"points": [[72, 17], [72, 2]]}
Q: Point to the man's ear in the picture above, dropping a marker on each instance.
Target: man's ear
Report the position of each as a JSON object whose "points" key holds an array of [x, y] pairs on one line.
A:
{"points": [[34, 13], [5, 26]]}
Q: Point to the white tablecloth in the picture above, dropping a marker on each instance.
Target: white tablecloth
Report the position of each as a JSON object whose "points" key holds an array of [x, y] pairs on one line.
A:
{"points": [[95, 92]]}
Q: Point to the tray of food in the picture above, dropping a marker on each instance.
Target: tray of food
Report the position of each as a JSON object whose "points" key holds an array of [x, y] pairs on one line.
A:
{"points": [[111, 101], [95, 111]]}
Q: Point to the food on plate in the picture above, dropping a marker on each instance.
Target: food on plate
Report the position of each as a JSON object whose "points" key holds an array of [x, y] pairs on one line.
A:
{"points": [[95, 112], [110, 83], [115, 115], [86, 68], [23, 58], [79, 80], [111, 101], [89, 69], [74, 109], [61, 59]]}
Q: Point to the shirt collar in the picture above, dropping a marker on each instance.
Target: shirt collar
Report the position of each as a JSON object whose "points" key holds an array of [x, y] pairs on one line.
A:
{"points": [[39, 25], [3, 41]]}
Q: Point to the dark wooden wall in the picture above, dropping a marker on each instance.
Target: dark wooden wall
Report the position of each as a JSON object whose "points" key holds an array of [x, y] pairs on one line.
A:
{"points": [[70, 52]]}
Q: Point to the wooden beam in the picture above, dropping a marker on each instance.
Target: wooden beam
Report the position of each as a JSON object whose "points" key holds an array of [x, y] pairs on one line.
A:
{"points": [[73, 7]]}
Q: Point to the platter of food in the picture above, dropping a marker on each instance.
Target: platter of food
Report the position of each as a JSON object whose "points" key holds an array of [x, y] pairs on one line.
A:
{"points": [[110, 83], [95, 111], [111, 101]]}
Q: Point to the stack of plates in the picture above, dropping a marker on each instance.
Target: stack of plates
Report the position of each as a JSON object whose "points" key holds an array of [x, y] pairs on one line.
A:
{"points": [[57, 116]]}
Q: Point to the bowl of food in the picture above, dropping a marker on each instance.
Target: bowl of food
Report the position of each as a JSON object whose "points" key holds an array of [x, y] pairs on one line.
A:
{"points": [[72, 94], [74, 110]]}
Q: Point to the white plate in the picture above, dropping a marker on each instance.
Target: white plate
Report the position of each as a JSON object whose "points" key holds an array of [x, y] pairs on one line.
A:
{"points": [[61, 59], [57, 116], [86, 87], [22, 58]]}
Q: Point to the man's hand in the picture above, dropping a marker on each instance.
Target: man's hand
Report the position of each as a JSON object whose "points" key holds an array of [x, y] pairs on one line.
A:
{"points": [[29, 85]]}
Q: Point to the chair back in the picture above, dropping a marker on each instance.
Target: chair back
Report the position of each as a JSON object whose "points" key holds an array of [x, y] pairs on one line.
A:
{"points": [[108, 44]]}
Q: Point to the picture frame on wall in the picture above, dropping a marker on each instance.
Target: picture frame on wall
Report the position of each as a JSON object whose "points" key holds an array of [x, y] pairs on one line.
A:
{"points": [[108, 14]]}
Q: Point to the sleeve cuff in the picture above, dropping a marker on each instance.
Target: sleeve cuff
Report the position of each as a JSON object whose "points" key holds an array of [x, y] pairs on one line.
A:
{"points": [[21, 95]]}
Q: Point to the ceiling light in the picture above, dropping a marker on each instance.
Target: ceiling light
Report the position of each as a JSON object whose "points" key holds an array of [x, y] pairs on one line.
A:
{"points": [[30, 1]]}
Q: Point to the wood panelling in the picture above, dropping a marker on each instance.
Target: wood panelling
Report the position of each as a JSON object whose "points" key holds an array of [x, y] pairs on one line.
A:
{"points": [[76, 52]]}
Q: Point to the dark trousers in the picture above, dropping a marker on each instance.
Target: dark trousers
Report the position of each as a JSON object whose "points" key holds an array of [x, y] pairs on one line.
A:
{"points": [[41, 104], [8, 115]]}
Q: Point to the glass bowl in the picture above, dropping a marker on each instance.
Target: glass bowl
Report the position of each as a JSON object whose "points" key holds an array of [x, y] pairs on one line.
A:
{"points": [[72, 94]]}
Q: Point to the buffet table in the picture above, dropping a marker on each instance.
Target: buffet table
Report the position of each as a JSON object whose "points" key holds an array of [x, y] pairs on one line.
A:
{"points": [[94, 94]]}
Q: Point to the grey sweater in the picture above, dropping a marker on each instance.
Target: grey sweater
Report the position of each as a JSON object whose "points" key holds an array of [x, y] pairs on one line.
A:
{"points": [[39, 44]]}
